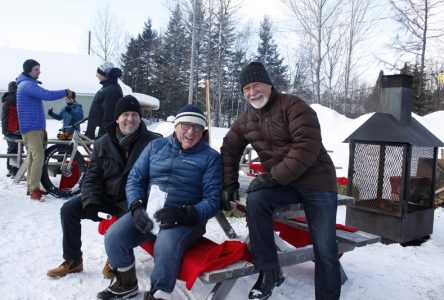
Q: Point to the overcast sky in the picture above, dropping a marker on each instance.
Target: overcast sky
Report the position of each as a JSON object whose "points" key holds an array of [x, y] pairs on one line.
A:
{"points": [[62, 26]]}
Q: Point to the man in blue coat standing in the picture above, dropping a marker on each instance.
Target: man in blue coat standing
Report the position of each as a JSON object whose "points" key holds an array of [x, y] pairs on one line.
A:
{"points": [[175, 185], [32, 123]]}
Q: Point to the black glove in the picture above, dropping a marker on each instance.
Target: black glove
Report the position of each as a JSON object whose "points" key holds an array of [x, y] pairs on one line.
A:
{"points": [[91, 211], [174, 216], [141, 221], [228, 195], [262, 181], [50, 111], [68, 108]]}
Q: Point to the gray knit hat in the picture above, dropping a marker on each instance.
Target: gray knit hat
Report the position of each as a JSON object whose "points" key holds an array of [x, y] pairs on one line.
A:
{"points": [[104, 68], [254, 72]]}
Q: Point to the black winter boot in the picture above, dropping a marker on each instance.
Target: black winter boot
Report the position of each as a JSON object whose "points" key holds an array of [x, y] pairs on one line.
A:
{"points": [[123, 285], [266, 282]]}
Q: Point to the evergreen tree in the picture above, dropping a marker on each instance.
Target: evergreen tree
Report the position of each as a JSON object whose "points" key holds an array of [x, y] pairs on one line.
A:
{"points": [[200, 51], [234, 102], [149, 46], [172, 62], [224, 57], [422, 96], [422, 102], [130, 63], [214, 53], [373, 103], [138, 61], [268, 55]]}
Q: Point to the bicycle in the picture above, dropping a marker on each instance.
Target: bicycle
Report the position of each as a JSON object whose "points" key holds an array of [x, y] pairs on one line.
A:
{"points": [[64, 165]]}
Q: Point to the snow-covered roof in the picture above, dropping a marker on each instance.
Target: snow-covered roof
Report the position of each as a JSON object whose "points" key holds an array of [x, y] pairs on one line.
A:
{"points": [[61, 71], [146, 101]]}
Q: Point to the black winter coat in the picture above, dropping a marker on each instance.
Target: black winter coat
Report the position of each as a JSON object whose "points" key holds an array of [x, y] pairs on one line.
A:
{"points": [[103, 106], [105, 180]]}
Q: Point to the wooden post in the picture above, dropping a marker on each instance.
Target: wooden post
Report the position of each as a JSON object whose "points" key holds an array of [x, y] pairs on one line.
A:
{"points": [[208, 106]]}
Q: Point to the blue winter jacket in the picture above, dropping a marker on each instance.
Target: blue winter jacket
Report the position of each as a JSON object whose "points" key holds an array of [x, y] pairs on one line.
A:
{"points": [[190, 177], [69, 117], [31, 113]]}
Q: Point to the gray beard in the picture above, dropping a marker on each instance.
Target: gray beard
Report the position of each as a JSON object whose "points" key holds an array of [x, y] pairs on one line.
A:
{"points": [[261, 105]]}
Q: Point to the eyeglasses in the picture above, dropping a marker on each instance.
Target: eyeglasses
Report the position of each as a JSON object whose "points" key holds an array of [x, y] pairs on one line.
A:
{"points": [[196, 127]]}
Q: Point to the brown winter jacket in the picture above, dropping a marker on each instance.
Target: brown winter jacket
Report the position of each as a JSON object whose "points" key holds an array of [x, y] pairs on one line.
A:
{"points": [[287, 137]]}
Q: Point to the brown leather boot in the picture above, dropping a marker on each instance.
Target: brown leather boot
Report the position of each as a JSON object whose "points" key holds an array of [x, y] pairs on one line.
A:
{"points": [[65, 268], [107, 271]]}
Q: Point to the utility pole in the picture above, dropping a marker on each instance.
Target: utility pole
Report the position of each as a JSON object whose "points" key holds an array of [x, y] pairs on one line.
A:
{"points": [[193, 46], [89, 42]]}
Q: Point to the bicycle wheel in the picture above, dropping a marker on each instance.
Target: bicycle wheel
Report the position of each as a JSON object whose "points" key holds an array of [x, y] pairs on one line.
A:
{"points": [[58, 177]]}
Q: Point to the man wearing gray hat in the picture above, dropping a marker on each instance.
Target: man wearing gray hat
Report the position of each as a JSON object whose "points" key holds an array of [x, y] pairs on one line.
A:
{"points": [[286, 134], [102, 108]]}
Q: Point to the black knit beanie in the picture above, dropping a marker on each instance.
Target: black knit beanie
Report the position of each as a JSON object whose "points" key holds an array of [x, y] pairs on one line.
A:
{"points": [[253, 72], [127, 103], [29, 64], [12, 86]]}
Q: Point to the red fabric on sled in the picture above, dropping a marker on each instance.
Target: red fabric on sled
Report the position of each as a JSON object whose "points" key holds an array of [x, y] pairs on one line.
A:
{"points": [[204, 256]]}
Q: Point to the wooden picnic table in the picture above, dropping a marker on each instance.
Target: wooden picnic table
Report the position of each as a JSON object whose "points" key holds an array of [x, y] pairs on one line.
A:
{"points": [[19, 159], [225, 278]]}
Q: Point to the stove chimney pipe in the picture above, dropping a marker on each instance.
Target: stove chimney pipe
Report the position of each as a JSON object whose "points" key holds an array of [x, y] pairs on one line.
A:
{"points": [[396, 96]]}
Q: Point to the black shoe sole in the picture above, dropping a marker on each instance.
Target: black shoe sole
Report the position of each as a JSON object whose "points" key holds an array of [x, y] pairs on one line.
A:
{"points": [[117, 297]]}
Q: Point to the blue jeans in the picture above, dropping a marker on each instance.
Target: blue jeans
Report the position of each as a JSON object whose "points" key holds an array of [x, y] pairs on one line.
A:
{"points": [[320, 210], [71, 214], [169, 248]]}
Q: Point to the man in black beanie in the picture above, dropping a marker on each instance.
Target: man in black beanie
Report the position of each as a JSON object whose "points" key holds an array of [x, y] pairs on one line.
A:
{"points": [[103, 188], [286, 134], [32, 122]]}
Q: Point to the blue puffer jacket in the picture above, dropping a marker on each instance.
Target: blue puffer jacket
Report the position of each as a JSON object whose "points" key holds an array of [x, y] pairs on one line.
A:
{"points": [[74, 115], [31, 113], [190, 177]]}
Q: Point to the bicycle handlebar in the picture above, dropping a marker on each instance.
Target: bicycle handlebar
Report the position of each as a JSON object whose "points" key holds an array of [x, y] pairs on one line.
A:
{"points": [[75, 125]]}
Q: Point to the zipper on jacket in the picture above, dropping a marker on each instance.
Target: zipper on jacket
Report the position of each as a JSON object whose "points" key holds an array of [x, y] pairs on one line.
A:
{"points": [[267, 121]]}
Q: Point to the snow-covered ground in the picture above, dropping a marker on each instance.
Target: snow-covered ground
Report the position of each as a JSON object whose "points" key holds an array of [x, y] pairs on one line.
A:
{"points": [[31, 243]]}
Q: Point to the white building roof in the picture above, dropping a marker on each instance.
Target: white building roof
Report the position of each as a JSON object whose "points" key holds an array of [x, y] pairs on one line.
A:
{"points": [[62, 70]]}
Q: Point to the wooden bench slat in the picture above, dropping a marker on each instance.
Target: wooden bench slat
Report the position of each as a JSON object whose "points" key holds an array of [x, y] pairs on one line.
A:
{"points": [[245, 268], [238, 269]]}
